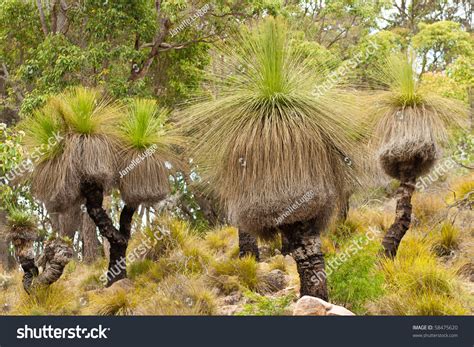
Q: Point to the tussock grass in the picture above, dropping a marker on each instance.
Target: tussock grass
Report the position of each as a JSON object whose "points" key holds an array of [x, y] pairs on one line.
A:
{"points": [[116, 302], [278, 262], [19, 219], [417, 284], [461, 189], [56, 299], [179, 295], [446, 239], [222, 240], [428, 209], [245, 270]]}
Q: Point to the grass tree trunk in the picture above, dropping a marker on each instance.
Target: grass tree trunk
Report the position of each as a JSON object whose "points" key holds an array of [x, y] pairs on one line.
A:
{"points": [[304, 244], [57, 253], [91, 248], [118, 239], [397, 230], [248, 244]]}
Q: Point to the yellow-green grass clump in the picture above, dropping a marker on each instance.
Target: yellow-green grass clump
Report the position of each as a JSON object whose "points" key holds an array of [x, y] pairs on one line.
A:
{"points": [[446, 239], [55, 299], [417, 284]]}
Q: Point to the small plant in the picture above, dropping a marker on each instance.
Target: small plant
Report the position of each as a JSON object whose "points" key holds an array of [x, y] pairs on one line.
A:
{"points": [[47, 300], [245, 269], [264, 306], [19, 219], [356, 281], [277, 263], [119, 302], [139, 267], [446, 240]]}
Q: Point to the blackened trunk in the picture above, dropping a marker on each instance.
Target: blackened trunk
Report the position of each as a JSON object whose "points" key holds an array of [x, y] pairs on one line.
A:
{"points": [[397, 230], [248, 245], [30, 271], [118, 239], [304, 243]]}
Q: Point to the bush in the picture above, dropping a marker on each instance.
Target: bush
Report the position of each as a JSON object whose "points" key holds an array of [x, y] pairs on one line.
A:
{"points": [[266, 306], [357, 280]]}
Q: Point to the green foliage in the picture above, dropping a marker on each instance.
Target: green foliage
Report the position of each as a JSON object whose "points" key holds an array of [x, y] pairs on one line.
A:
{"points": [[445, 41], [265, 306], [144, 125], [42, 130], [356, 281], [18, 218]]}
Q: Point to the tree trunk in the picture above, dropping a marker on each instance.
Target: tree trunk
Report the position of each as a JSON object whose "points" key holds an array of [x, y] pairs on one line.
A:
{"points": [[304, 243], [57, 253], [397, 230], [91, 248], [118, 239], [248, 244], [30, 271]]}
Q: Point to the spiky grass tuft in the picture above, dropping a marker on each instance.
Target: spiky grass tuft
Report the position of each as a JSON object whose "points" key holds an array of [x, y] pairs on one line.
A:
{"points": [[85, 111], [267, 139], [43, 129]]}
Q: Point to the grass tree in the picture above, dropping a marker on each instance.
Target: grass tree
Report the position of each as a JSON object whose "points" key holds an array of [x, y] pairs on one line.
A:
{"points": [[146, 157], [56, 254], [410, 126], [267, 143], [86, 142]]}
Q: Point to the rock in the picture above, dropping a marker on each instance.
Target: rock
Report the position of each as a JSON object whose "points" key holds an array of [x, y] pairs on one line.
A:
{"points": [[275, 281], [312, 306], [124, 284], [229, 310], [232, 299], [339, 311]]}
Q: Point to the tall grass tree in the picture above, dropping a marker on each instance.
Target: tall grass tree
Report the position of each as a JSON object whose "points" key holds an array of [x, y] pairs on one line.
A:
{"points": [[267, 140], [410, 127]]}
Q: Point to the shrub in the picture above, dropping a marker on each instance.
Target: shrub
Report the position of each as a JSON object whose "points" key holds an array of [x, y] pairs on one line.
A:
{"points": [[357, 280], [266, 306]]}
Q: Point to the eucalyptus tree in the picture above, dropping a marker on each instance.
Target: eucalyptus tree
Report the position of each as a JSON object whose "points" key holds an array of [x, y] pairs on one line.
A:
{"points": [[86, 141], [410, 126], [267, 142]]}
